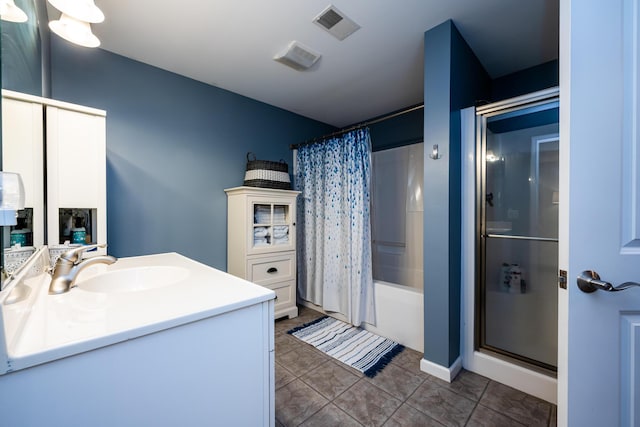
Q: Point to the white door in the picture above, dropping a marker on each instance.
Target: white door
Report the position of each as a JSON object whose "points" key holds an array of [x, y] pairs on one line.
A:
{"points": [[599, 354]]}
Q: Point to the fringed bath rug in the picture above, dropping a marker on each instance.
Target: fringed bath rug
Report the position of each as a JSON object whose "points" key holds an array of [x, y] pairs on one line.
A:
{"points": [[360, 349]]}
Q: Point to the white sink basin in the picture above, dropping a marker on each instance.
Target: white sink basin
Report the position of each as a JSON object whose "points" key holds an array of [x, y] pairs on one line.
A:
{"points": [[134, 279]]}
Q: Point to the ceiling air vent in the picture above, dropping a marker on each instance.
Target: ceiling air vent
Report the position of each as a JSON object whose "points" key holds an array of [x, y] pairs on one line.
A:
{"points": [[336, 23], [298, 56]]}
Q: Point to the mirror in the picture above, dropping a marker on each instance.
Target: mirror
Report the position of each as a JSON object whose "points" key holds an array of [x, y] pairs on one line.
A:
{"points": [[22, 58], [25, 69]]}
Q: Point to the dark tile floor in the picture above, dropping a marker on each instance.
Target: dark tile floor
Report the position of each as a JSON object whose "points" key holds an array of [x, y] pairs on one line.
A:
{"points": [[312, 389]]}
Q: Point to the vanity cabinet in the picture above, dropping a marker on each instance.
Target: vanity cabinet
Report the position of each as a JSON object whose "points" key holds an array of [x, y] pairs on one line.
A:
{"points": [[261, 241], [198, 351], [74, 186]]}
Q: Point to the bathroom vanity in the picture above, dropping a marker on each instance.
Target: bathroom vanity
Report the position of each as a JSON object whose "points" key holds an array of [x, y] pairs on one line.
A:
{"points": [[150, 340]]}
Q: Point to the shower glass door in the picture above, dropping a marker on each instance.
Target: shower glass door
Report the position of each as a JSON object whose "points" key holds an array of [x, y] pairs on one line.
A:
{"points": [[518, 232]]}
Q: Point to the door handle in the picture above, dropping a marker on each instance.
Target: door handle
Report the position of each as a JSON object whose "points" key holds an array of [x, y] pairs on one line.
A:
{"points": [[589, 281]]}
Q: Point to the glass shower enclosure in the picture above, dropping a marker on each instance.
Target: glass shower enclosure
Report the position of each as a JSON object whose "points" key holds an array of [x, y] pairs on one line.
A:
{"points": [[517, 230]]}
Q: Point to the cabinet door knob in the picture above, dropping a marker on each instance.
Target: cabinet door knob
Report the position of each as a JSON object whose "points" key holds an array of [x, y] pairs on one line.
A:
{"points": [[272, 270]]}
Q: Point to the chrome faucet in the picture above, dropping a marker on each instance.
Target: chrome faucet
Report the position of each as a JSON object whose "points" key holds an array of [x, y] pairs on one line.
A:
{"points": [[70, 264]]}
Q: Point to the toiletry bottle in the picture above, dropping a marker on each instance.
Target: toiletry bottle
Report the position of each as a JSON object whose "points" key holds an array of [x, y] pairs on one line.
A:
{"points": [[79, 233], [18, 235], [505, 277], [515, 283]]}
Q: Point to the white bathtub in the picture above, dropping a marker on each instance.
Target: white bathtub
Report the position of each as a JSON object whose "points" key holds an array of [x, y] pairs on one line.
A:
{"points": [[399, 314]]}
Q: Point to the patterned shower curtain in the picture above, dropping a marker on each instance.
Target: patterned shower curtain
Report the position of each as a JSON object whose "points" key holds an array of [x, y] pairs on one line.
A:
{"points": [[334, 230]]}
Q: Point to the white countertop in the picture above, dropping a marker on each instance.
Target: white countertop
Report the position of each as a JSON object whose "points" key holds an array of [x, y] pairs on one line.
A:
{"points": [[47, 327]]}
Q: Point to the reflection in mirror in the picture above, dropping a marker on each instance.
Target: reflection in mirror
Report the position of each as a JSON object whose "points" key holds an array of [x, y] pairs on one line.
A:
{"points": [[22, 62], [545, 172], [77, 225], [522, 171], [21, 234], [24, 68], [22, 152], [15, 257], [20, 246]]}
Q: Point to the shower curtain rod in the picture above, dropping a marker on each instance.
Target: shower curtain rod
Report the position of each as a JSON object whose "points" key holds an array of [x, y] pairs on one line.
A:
{"points": [[358, 126]]}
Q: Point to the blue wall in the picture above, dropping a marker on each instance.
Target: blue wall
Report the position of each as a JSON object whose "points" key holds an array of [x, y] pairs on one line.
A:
{"points": [[408, 128], [173, 145], [526, 81], [453, 79], [402, 130]]}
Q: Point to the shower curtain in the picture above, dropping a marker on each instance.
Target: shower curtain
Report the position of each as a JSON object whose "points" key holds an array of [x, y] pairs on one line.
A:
{"points": [[334, 232]]}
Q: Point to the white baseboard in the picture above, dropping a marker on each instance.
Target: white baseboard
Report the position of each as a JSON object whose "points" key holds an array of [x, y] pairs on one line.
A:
{"points": [[531, 382], [439, 371]]}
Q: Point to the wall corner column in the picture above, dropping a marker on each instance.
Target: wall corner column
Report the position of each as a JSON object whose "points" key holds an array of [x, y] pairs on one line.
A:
{"points": [[453, 79]]}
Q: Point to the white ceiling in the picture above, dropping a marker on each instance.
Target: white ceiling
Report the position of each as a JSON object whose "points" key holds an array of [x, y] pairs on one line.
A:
{"points": [[230, 44]]}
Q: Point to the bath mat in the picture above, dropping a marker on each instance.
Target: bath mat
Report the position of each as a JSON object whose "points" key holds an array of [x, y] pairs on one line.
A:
{"points": [[360, 349]]}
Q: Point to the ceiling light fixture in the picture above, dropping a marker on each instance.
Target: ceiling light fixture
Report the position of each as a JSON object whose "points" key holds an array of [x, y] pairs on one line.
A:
{"points": [[83, 10], [75, 31], [10, 12], [75, 21]]}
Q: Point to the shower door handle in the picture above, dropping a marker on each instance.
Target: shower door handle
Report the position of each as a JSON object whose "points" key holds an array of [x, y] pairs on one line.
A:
{"points": [[589, 281]]}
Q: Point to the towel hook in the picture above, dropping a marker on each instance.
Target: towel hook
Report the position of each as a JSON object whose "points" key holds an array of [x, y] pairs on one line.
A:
{"points": [[435, 154]]}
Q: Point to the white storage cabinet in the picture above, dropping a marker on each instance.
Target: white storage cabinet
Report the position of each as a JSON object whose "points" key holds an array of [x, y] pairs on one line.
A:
{"points": [[261, 241]]}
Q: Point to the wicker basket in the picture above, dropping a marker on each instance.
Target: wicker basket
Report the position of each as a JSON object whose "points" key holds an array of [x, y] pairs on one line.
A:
{"points": [[266, 173]]}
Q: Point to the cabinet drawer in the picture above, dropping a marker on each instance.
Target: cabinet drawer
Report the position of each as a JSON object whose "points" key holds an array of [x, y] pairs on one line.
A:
{"points": [[285, 295], [272, 269]]}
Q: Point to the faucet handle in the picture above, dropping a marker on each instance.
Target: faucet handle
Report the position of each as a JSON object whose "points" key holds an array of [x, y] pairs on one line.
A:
{"points": [[73, 255]]}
